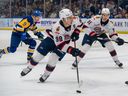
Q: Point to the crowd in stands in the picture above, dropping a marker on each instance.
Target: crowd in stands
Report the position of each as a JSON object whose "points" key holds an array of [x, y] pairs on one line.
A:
{"points": [[50, 8]]}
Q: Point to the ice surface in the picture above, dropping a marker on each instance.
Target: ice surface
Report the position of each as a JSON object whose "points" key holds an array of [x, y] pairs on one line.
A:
{"points": [[100, 75]]}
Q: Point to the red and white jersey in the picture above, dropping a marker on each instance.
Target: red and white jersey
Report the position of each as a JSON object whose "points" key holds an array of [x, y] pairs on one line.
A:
{"points": [[62, 35], [105, 28]]}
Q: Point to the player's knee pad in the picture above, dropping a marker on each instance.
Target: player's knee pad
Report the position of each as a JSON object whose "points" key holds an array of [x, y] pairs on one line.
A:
{"points": [[109, 46], [53, 59], [37, 56], [87, 40], [12, 49]]}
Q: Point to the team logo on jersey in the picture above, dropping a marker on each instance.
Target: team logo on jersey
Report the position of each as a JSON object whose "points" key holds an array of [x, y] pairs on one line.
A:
{"points": [[61, 38], [111, 22], [24, 23]]}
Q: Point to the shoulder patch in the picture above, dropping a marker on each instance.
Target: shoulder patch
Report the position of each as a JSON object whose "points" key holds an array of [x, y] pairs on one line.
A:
{"points": [[111, 22], [96, 17]]}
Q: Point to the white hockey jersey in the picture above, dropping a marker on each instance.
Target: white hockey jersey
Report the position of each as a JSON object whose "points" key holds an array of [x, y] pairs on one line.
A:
{"points": [[107, 28], [62, 35]]}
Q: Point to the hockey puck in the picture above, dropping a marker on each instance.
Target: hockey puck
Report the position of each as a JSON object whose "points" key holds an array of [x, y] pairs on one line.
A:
{"points": [[126, 82], [78, 91]]}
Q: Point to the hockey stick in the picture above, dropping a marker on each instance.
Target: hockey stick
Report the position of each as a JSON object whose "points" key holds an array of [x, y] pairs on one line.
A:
{"points": [[31, 38], [107, 39], [34, 38], [77, 70]]}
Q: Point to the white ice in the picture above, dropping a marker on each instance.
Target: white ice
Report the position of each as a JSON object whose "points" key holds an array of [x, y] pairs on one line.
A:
{"points": [[100, 75]]}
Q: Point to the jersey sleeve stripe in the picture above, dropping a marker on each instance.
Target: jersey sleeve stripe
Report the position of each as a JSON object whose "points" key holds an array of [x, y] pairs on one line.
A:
{"points": [[113, 35]]}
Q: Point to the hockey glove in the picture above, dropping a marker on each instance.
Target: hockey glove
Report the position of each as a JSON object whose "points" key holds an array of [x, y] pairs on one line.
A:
{"points": [[39, 35], [75, 35], [23, 36], [93, 35], [119, 41], [75, 52]]}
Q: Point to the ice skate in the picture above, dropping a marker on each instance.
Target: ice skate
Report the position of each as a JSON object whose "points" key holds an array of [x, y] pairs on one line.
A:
{"points": [[74, 66], [44, 77], [26, 71], [1, 53], [119, 64]]}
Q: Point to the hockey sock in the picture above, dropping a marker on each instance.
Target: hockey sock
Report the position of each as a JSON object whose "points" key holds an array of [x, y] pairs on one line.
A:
{"points": [[114, 55], [6, 50], [32, 63], [30, 53], [49, 68]]}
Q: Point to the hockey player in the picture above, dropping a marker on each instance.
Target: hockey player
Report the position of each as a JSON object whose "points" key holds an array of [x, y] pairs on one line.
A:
{"points": [[96, 29], [64, 30], [19, 34]]}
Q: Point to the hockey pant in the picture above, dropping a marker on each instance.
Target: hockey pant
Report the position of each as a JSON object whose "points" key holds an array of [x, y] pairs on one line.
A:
{"points": [[15, 41]]}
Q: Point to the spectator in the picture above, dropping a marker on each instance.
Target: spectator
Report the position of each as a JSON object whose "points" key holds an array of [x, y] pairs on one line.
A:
{"points": [[82, 8]]}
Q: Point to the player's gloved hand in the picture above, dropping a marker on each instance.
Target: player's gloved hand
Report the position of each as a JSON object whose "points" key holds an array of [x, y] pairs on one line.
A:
{"points": [[119, 41], [93, 35], [23, 36], [75, 35], [39, 35], [75, 52]]}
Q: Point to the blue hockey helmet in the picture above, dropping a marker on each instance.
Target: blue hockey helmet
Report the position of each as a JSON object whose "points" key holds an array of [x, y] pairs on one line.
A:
{"points": [[37, 13]]}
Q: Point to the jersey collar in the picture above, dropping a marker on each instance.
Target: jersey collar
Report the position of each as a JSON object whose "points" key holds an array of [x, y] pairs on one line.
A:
{"points": [[66, 28], [104, 23]]}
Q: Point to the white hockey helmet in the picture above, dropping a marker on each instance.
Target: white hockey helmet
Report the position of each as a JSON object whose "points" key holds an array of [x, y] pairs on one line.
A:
{"points": [[64, 13], [105, 11]]}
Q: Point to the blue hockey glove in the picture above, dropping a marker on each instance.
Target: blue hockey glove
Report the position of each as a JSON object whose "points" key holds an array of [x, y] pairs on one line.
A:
{"points": [[39, 35]]}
